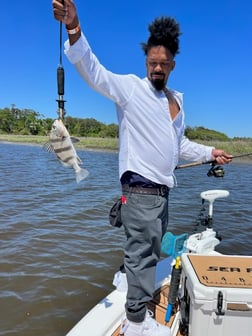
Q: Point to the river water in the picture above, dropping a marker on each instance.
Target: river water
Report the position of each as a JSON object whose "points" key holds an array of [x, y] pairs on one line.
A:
{"points": [[58, 252]]}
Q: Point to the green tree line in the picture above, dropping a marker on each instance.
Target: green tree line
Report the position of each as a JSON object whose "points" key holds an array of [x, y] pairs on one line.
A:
{"points": [[28, 122]]}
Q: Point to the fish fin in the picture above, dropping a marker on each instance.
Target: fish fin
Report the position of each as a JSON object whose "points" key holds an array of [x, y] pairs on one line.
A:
{"points": [[74, 140], [81, 175], [78, 159], [48, 147]]}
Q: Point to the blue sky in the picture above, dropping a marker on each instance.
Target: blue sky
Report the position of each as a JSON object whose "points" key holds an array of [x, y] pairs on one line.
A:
{"points": [[213, 69]]}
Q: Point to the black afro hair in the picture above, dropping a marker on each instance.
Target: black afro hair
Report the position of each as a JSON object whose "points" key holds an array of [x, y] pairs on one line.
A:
{"points": [[164, 31]]}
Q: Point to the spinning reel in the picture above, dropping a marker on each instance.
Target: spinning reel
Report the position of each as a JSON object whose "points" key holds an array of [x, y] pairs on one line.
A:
{"points": [[216, 171]]}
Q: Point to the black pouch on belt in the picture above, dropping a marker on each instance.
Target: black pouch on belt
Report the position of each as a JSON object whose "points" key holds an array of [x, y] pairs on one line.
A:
{"points": [[115, 214]]}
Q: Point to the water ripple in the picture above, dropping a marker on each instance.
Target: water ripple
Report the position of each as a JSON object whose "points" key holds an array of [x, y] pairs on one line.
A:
{"points": [[58, 251]]}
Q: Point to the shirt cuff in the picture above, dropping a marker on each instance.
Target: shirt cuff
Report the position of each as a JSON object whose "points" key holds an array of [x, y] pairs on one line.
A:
{"points": [[75, 52], [209, 153]]}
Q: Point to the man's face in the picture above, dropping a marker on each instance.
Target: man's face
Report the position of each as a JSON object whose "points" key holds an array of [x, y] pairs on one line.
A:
{"points": [[159, 63]]}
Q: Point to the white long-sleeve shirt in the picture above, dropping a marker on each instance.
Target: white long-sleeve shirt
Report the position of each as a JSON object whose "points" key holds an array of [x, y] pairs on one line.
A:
{"points": [[150, 142]]}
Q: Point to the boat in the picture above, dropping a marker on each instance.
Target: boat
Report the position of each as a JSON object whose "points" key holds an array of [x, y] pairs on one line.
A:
{"points": [[198, 291]]}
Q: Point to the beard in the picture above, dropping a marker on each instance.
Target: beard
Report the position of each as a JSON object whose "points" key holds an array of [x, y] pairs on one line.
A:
{"points": [[158, 83]]}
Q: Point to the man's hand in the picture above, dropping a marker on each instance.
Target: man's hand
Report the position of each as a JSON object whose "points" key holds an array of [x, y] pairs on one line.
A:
{"points": [[66, 13], [221, 157]]}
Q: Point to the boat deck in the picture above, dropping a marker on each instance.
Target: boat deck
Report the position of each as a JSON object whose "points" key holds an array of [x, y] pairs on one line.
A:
{"points": [[158, 306]]}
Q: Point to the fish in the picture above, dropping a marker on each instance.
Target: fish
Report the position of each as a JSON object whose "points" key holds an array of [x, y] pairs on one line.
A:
{"points": [[61, 143]]}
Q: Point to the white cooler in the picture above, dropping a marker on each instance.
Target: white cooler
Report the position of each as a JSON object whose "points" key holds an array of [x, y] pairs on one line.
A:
{"points": [[218, 294]]}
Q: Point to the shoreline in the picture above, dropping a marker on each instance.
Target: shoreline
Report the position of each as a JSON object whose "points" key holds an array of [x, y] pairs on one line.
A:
{"points": [[85, 143], [40, 141], [77, 146]]}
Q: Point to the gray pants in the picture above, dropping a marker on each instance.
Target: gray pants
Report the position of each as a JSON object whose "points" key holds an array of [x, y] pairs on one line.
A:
{"points": [[145, 220]]}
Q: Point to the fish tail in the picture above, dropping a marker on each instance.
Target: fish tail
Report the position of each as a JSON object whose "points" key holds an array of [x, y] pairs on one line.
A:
{"points": [[81, 175]]}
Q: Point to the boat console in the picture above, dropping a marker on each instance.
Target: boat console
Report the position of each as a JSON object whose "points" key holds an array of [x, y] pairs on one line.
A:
{"points": [[216, 295]]}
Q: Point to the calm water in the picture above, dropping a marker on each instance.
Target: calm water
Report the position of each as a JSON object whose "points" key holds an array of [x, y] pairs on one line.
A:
{"points": [[58, 252]]}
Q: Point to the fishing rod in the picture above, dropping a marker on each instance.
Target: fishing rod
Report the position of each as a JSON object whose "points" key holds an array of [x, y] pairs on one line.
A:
{"points": [[61, 81], [216, 171], [198, 163]]}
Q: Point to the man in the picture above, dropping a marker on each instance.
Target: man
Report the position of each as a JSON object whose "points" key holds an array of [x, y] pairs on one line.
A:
{"points": [[151, 141]]}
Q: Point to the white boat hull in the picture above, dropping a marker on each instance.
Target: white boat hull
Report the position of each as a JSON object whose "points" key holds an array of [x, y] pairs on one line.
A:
{"points": [[107, 315]]}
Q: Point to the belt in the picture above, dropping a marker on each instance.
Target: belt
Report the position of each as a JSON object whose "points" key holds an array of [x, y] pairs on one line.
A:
{"points": [[162, 190]]}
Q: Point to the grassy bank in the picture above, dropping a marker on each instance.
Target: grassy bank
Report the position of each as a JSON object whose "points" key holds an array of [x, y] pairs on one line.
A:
{"points": [[85, 143], [234, 147]]}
